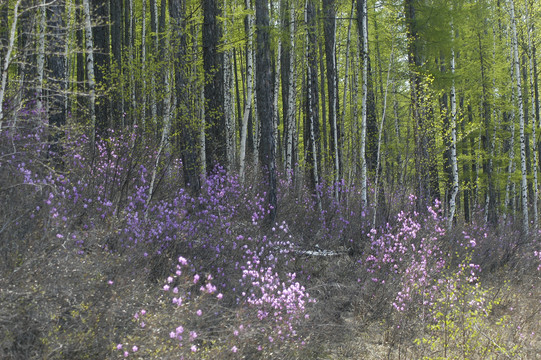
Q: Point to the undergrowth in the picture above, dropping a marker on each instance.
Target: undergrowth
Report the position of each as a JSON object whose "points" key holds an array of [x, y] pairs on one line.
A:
{"points": [[95, 264]]}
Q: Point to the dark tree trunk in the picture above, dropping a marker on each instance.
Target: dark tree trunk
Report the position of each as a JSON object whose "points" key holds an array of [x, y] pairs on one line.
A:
{"points": [[213, 60], [4, 31], [311, 129], [465, 169], [267, 150], [189, 130], [100, 33], [56, 66], [329, 25], [425, 164], [285, 72], [116, 49], [487, 145]]}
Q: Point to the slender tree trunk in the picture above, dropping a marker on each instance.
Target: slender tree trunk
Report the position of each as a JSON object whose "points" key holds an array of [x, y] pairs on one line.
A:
{"points": [[100, 33], [523, 182], [89, 44], [465, 170], [329, 9], [454, 161], [276, 93], [248, 103], [41, 55], [7, 58], [346, 71], [529, 30], [228, 101], [265, 109], [509, 187], [382, 123], [116, 51], [291, 93], [56, 66], [143, 74], [155, 50], [361, 10], [312, 113], [213, 61], [184, 113]]}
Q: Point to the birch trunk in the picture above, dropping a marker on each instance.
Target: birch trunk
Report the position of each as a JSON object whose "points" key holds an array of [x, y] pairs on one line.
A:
{"points": [[41, 55], [312, 100], [275, 113], [346, 75], [164, 142], [362, 155], [376, 190], [529, 31], [155, 38], [7, 59], [523, 182], [228, 100], [291, 94], [90, 71], [143, 67], [249, 90], [454, 162]]}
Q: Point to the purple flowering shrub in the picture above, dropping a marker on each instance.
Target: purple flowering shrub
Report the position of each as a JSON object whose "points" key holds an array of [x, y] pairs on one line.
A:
{"points": [[405, 259], [256, 309], [25, 178]]}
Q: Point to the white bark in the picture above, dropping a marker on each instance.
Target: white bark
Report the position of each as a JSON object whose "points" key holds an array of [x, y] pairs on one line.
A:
{"points": [[380, 132], [249, 90], [291, 94], [364, 199], [7, 59], [143, 67], [311, 119], [335, 118], [346, 75], [255, 120], [153, 101], [202, 143], [454, 162], [90, 69], [529, 31], [275, 114], [41, 55], [164, 142], [228, 99], [523, 182]]}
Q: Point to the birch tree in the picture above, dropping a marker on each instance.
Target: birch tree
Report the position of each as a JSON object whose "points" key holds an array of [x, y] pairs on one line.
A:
{"points": [[90, 70], [248, 104], [454, 162], [7, 58], [312, 146], [291, 93], [522, 136], [362, 14], [529, 31]]}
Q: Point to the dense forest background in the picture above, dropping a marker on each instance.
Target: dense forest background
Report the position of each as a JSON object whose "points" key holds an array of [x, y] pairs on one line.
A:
{"points": [[334, 174]]}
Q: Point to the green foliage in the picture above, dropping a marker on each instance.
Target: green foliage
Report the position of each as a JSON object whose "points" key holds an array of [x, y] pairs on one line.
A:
{"points": [[463, 324]]}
